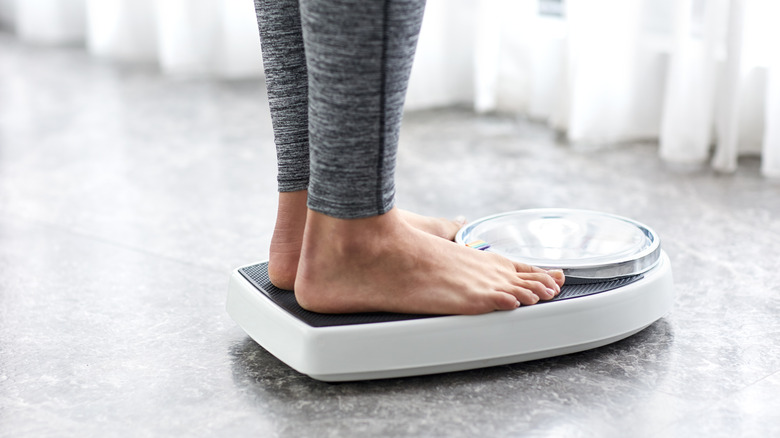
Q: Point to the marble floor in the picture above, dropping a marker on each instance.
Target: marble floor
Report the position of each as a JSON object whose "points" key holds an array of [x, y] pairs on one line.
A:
{"points": [[126, 198]]}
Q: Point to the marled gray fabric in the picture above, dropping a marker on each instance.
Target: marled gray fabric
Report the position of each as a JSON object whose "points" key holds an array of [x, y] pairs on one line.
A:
{"points": [[358, 56], [284, 62]]}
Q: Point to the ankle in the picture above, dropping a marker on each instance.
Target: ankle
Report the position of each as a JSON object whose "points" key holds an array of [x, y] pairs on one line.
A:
{"points": [[291, 208], [349, 237]]}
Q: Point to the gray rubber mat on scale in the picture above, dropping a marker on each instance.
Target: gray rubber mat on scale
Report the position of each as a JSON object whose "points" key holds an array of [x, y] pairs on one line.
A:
{"points": [[258, 276]]}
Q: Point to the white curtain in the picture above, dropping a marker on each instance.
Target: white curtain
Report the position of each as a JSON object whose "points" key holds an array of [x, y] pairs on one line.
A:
{"points": [[7, 12], [701, 76], [443, 68], [220, 38], [185, 37], [122, 30], [49, 21]]}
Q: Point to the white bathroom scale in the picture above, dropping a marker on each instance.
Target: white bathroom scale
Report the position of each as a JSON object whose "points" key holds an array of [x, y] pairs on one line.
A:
{"points": [[618, 282]]}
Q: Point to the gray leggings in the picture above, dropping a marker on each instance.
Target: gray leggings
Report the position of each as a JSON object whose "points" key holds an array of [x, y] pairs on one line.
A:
{"points": [[336, 73]]}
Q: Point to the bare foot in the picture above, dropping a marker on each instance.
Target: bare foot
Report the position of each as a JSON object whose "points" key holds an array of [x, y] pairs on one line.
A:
{"points": [[288, 235], [287, 238], [438, 226], [382, 263]]}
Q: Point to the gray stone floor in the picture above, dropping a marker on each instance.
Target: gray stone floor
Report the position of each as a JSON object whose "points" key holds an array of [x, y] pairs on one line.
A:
{"points": [[126, 198]]}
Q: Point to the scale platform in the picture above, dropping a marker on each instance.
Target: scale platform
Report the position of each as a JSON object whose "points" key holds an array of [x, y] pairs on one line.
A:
{"points": [[618, 282]]}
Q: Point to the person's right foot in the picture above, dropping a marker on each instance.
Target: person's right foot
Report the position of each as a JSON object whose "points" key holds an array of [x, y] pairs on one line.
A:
{"points": [[383, 263], [288, 235]]}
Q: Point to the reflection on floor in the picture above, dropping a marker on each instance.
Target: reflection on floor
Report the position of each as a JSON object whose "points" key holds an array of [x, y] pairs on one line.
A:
{"points": [[126, 198]]}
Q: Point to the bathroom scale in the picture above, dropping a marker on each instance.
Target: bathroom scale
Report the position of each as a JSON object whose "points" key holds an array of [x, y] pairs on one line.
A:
{"points": [[618, 282]]}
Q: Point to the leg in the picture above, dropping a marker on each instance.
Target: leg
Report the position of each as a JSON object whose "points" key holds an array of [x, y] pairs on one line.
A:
{"points": [[284, 63], [359, 253], [279, 23]]}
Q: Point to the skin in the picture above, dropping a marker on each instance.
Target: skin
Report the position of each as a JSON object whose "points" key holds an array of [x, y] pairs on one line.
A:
{"points": [[395, 262]]}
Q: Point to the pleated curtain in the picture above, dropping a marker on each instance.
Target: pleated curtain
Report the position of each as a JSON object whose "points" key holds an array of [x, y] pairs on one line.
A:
{"points": [[185, 37], [701, 77]]}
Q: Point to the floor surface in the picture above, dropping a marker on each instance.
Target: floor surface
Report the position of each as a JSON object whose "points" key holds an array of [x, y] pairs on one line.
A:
{"points": [[126, 198]]}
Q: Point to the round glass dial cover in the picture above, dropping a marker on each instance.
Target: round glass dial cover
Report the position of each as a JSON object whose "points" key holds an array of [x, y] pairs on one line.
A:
{"points": [[585, 244]]}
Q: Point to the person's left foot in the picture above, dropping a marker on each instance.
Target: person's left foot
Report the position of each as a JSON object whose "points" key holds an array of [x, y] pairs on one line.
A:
{"points": [[438, 226], [287, 239]]}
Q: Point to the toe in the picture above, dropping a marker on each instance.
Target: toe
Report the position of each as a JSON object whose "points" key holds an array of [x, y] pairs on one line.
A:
{"points": [[504, 301], [528, 269], [540, 284], [557, 275], [525, 296]]}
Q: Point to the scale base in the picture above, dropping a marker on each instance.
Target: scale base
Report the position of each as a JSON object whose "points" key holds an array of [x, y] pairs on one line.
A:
{"points": [[383, 345]]}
